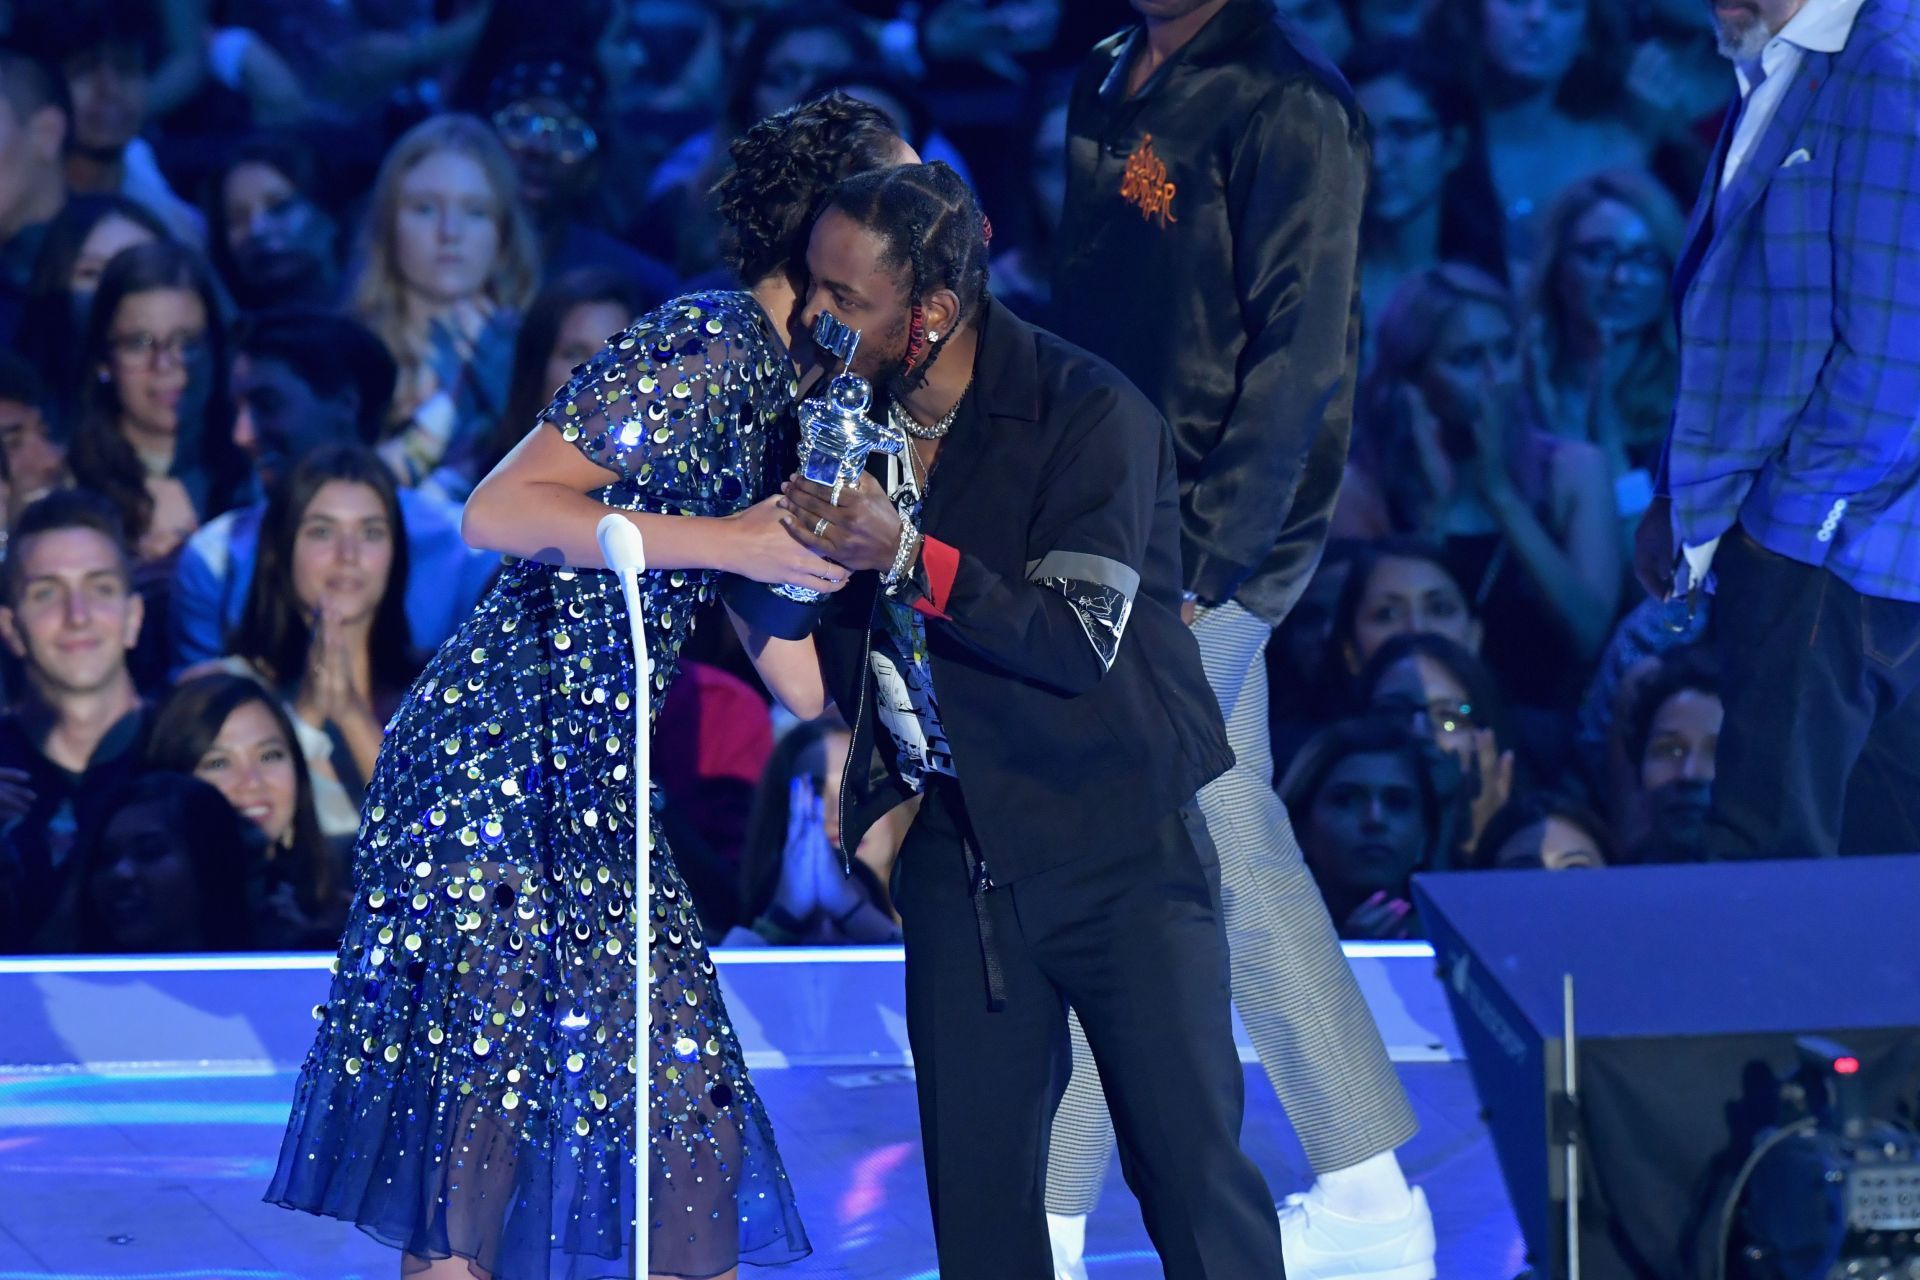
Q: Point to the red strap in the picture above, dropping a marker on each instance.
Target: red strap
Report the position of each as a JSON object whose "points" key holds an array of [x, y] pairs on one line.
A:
{"points": [[942, 564]]}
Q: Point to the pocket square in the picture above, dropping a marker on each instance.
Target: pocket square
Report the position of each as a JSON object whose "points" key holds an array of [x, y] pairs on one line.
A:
{"points": [[1802, 156]]}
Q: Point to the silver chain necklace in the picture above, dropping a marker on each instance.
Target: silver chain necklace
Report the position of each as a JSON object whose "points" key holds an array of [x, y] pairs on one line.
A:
{"points": [[899, 417]]}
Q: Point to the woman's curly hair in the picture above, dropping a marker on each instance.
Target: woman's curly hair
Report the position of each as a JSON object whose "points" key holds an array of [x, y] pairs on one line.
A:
{"points": [[783, 168]]}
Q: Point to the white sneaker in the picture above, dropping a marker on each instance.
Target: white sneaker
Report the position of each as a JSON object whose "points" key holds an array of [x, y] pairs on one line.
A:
{"points": [[1321, 1245], [1068, 1236]]}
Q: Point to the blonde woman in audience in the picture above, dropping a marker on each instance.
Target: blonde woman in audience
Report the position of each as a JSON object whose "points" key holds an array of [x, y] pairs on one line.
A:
{"points": [[449, 262], [1448, 439]]}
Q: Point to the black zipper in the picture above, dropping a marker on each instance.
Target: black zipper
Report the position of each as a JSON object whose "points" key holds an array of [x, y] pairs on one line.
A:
{"points": [[982, 880], [859, 727]]}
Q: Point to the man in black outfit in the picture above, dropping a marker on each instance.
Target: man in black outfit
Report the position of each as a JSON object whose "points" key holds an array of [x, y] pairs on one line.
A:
{"points": [[70, 617], [1216, 173], [1018, 658]]}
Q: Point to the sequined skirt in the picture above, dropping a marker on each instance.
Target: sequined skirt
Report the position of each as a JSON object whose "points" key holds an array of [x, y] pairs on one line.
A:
{"points": [[471, 1089]]}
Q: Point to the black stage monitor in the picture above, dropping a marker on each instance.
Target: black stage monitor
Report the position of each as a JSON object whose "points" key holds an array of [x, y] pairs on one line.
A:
{"points": [[1690, 986]]}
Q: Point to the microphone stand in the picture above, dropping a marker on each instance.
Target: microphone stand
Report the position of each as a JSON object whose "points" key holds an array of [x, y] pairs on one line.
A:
{"points": [[626, 555]]}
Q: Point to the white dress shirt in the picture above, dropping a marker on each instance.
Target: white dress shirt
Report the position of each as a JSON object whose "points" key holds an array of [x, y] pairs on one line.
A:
{"points": [[1822, 26]]}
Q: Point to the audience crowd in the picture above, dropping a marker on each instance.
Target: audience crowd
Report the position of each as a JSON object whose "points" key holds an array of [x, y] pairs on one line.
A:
{"points": [[280, 281]]}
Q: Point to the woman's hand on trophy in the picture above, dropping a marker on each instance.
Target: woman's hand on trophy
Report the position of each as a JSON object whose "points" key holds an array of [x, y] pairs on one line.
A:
{"points": [[862, 532], [763, 551]]}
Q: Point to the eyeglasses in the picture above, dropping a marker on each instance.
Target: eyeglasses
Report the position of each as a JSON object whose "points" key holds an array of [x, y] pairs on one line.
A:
{"points": [[1604, 257], [1443, 714], [149, 348], [565, 136]]}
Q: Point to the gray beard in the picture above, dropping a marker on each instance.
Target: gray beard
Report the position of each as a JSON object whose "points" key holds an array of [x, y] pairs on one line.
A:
{"points": [[1744, 45]]}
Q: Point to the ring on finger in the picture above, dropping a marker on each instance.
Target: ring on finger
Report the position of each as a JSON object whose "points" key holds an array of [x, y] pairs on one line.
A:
{"points": [[820, 527]]}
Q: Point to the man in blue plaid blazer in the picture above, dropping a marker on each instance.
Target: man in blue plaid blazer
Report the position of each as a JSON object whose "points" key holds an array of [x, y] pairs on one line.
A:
{"points": [[1793, 465]]}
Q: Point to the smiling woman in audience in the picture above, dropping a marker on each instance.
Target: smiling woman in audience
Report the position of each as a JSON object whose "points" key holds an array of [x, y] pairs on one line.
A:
{"points": [[229, 731]]}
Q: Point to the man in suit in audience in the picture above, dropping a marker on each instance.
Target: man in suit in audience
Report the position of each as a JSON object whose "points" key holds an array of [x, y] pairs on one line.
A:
{"points": [[1791, 481]]}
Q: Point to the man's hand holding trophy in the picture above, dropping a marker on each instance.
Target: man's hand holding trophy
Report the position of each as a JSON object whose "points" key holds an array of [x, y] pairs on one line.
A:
{"points": [[836, 438]]}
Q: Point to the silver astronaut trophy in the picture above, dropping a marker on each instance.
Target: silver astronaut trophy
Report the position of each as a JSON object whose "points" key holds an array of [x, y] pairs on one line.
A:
{"points": [[836, 435], [836, 438]]}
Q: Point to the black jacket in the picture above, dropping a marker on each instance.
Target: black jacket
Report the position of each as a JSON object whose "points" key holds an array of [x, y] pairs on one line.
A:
{"points": [[1058, 755], [42, 851], [1209, 250]]}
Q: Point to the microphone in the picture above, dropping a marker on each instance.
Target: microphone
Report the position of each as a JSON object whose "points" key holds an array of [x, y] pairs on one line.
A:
{"points": [[621, 544]]}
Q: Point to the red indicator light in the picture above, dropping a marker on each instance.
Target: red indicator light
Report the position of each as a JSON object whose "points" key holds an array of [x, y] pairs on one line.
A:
{"points": [[1846, 1066]]}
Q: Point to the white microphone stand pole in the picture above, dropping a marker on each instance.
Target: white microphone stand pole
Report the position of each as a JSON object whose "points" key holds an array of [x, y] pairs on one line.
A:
{"points": [[626, 555], [1570, 1083]]}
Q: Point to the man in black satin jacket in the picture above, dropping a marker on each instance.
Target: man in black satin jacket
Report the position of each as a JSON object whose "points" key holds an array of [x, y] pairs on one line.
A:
{"points": [[1209, 250], [1216, 169]]}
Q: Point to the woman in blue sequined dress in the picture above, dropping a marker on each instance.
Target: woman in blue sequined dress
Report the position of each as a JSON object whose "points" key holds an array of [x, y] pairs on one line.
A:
{"points": [[469, 1097]]}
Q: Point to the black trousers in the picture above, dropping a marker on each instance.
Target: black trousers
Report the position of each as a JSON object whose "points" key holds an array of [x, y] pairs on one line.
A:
{"points": [[1820, 751], [1133, 941]]}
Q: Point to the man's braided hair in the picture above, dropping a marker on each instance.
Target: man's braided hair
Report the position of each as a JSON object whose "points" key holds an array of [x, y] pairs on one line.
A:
{"points": [[934, 232]]}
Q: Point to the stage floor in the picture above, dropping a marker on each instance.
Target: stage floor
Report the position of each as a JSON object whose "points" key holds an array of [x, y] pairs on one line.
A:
{"points": [[111, 1166]]}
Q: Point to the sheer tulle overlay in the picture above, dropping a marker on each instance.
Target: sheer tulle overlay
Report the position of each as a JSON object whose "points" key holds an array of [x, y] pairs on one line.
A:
{"points": [[471, 1089]]}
